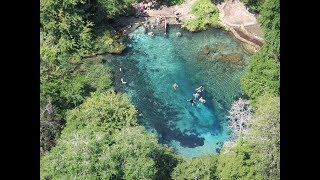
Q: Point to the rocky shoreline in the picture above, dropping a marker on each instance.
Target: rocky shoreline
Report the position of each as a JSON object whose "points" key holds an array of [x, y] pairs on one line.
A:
{"points": [[245, 28]]}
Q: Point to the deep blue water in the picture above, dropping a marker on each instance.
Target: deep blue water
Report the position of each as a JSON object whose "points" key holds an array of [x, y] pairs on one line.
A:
{"points": [[152, 64]]}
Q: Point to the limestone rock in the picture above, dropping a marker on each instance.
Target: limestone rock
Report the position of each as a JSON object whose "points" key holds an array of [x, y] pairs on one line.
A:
{"points": [[232, 57]]}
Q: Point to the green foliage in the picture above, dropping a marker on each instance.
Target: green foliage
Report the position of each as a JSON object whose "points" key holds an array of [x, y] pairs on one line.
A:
{"points": [[165, 160], [207, 15], [255, 5], [270, 22], [170, 2], [264, 132], [108, 110], [130, 157], [203, 167], [258, 155], [75, 155], [68, 86], [240, 162], [66, 31], [88, 133], [86, 153], [263, 76], [107, 41], [104, 10], [114, 8]]}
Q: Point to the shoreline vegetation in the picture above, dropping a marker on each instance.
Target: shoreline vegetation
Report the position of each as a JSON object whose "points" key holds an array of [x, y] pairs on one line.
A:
{"points": [[89, 131]]}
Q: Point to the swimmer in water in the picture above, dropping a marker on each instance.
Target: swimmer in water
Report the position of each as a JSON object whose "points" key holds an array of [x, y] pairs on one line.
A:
{"points": [[191, 101], [175, 85], [200, 89], [202, 100], [123, 81], [196, 95]]}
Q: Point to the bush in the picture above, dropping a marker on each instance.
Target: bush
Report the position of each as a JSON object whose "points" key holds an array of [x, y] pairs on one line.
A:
{"points": [[255, 5], [207, 15], [108, 110], [263, 76]]}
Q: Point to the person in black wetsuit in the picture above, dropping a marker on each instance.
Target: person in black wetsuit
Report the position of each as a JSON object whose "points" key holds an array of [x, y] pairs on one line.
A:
{"points": [[191, 101]]}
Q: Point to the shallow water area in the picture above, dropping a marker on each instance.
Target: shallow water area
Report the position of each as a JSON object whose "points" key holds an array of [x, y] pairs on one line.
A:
{"points": [[152, 64]]}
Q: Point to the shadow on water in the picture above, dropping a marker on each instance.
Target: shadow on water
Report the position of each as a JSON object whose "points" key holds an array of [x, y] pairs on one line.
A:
{"points": [[154, 112]]}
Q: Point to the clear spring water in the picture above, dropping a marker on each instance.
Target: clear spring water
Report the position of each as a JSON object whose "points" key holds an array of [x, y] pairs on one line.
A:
{"points": [[152, 64]]}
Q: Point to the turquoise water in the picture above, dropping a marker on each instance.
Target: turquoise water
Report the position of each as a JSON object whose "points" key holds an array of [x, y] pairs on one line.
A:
{"points": [[152, 64]]}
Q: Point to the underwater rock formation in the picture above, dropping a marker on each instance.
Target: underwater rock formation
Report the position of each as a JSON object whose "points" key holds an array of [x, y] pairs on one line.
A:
{"points": [[232, 57]]}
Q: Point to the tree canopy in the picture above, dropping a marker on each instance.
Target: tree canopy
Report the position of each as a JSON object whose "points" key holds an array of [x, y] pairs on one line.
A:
{"points": [[263, 75], [203, 167], [206, 15]]}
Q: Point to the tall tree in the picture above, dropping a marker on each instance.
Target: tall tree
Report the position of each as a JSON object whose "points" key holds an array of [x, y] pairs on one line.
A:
{"points": [[270, 22], [239, 116], [65, 29], [108, 110], [240, 162], [50, 124], [263, 76], [264, 132], [203, 167]]}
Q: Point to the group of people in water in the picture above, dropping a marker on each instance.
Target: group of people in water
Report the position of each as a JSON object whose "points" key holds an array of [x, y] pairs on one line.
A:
{"points": [[195, 95]]}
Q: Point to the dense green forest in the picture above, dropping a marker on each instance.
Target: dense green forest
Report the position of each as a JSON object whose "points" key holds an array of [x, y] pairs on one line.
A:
{"points": [[89, 131]]}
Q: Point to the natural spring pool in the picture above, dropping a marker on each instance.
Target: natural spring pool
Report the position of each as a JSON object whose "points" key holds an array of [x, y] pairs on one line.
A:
{"points": [[152, 64]]}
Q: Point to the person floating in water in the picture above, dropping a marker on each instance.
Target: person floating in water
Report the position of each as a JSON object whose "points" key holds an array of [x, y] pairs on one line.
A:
{"points": [[199, 89], [191, 101], [123, 82], [175, 85], [202, 100], [196, 95]]}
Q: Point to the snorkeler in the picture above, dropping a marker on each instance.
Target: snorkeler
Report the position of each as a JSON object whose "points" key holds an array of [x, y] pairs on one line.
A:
{"points": [[199, 89], [175, 85], [123, 81], [202, 100], [196, 95], [191, 101]]}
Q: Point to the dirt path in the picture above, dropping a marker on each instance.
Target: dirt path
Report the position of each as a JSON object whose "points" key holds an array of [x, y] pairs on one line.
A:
{"points": [[242, 23]]}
